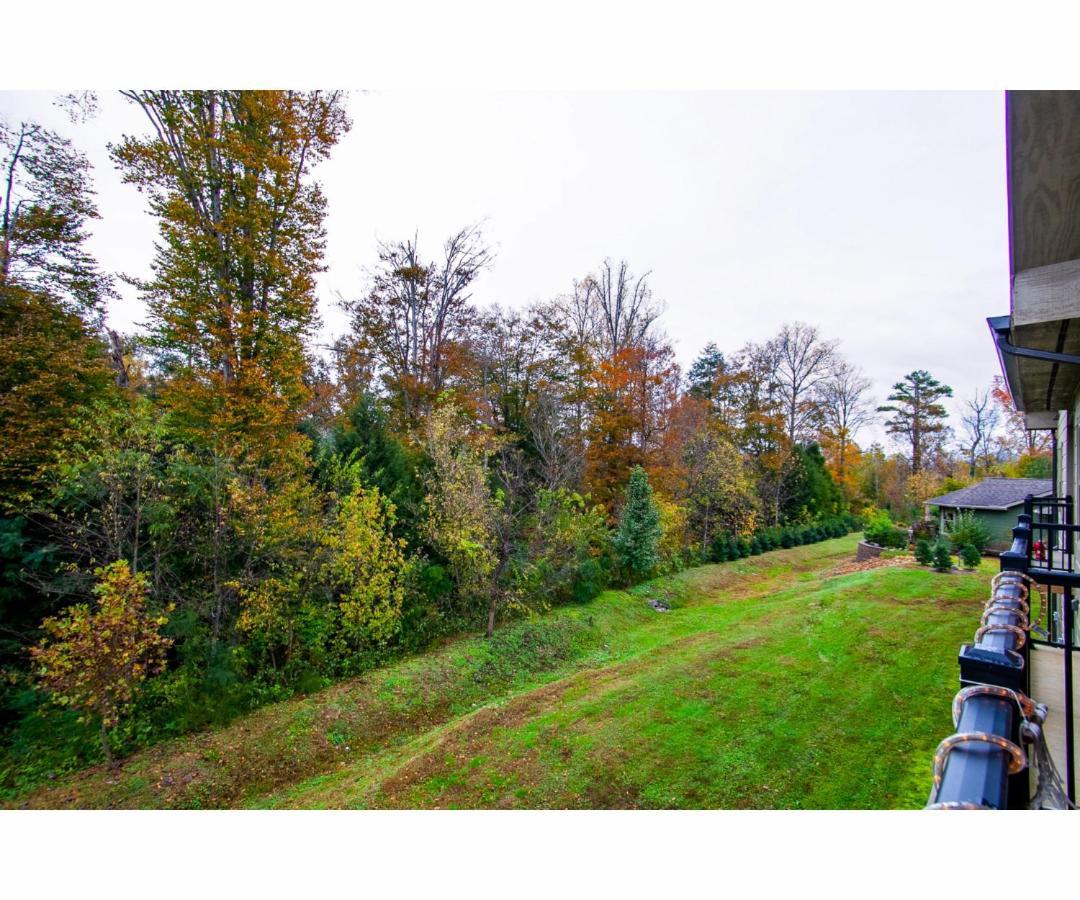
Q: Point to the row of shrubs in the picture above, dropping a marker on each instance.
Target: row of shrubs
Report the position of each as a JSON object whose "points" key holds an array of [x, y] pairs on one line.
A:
{"points": [[939, 554], [727, 547], [964, 530]]}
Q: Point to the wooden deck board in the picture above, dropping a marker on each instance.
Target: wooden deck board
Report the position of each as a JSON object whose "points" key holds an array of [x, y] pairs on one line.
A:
{"points": [[1048, 686]]}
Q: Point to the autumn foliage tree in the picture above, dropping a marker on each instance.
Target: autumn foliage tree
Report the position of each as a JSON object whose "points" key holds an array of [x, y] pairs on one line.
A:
{"points": [[46, 202], [94, 660], [1017, 438], [232, 297], [51, 370], [415, 311], [846, 409], [366, 566], [52, 363], [232, 309], [461, 511]]}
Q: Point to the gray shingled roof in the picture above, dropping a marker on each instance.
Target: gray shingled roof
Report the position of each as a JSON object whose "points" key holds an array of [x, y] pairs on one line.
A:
{"points": [[994, 493]]}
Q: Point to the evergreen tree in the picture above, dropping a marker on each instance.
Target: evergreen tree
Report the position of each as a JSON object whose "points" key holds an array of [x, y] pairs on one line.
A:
{"points": [[813, 493], [637, 540], [942, 558], [970, 556], [917, 412], [704, 371], [365, 435]]}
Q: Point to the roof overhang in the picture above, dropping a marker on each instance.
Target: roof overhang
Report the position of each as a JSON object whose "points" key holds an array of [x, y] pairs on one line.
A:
{"points": [[1039, 343], [1042, 378], [982, 508]]}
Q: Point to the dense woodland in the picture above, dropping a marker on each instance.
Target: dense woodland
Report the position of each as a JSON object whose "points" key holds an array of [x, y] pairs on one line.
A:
{"points": [[219, 511]]}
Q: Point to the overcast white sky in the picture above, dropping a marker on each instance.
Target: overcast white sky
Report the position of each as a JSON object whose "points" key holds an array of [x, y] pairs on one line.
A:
{"points": [[879, 217]]}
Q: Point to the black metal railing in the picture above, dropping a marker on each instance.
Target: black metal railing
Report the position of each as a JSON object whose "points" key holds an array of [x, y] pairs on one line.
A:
{"points": [[1051, 563], [977, 767], [982, 765], [1053, 533]]}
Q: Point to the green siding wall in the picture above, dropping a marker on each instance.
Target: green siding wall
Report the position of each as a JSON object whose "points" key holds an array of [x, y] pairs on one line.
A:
{"points": [[1000, 524]]}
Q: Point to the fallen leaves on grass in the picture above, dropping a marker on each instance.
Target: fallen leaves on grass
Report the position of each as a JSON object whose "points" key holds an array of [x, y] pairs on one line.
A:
{"points": [[877, 562]]}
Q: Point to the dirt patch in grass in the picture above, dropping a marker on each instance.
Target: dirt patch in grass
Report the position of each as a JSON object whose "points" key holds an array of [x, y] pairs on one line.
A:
{"points": [[878, 562]]}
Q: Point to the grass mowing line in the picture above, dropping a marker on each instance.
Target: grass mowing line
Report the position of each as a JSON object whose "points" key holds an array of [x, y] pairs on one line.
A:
{"points": [[849, 727], [528, 755], [388, 716]]}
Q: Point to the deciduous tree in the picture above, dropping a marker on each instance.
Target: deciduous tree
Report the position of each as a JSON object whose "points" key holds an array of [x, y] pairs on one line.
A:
{"points": [[51, 371], [802, 363], [232, 298], [980, 421], [416, 308], [94, 660], [46, 201], [1016, 438], [846, 409], [366, 566]]}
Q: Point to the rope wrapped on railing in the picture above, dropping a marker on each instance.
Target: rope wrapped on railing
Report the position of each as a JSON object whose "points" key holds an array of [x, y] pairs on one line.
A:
{"points": [[983, 765]]}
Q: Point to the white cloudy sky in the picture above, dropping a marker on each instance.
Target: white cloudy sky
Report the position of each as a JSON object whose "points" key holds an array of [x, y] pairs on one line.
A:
{"points": [[879, 217]]}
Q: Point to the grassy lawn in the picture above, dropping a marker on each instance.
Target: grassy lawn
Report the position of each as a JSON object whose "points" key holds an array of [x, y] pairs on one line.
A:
{"points": [[772, 683]]}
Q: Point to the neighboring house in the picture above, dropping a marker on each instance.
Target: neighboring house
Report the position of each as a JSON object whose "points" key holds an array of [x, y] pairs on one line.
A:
{"points": [[996, 501]]}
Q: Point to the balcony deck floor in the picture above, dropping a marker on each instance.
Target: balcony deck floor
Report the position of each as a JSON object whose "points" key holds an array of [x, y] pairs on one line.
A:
{"points": [[1048, 686]]}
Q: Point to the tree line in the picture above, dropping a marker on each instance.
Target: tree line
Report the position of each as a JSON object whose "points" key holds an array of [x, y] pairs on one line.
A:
{"points": [[212, 513]]}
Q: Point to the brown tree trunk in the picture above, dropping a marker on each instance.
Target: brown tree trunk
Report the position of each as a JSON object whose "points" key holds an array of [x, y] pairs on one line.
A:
{"points": [[110, 761]]}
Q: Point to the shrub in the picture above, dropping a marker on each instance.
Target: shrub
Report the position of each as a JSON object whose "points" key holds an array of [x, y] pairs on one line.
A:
{"points": [[787, 538], [94, 660], [967, 528], [941, 557], [923, 552], [755, 547], [970, 556], [881, 531]]}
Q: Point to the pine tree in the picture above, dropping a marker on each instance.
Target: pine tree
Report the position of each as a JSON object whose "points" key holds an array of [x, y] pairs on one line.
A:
{"points": [[970, 556], [637, 540], [941, 557], [917, 413]]}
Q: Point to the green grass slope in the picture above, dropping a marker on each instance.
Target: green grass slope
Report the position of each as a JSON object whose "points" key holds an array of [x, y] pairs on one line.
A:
{"points": [[772, 683]]}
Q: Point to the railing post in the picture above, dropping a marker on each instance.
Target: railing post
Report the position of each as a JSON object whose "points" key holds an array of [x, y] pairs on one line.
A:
{"points": [[1067, 649], [995, 660], [1018, 557]]}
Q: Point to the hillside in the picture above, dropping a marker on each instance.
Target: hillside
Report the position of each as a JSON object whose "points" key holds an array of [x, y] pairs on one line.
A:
{"points": [[773, 682]]}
